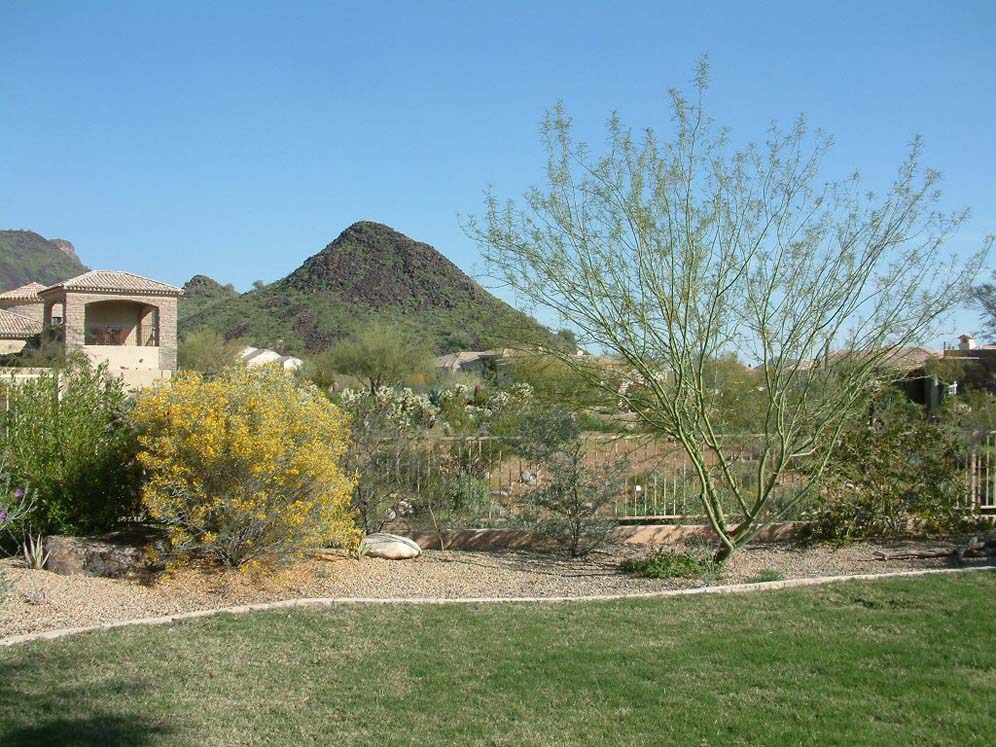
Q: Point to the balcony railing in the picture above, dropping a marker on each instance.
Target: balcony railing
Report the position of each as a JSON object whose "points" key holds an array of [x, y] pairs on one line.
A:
{"points": [[119, 336]]}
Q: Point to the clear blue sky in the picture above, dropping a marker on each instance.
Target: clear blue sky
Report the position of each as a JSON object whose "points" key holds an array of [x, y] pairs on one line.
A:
{"points": [[235, 139]]}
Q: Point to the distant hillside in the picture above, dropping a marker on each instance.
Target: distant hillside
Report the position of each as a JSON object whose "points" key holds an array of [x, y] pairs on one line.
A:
{"points": [[26, 257], [370, 271], [200, 293]]}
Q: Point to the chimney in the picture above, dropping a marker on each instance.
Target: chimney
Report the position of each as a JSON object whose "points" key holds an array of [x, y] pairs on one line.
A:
{"points": [[966, 342]]}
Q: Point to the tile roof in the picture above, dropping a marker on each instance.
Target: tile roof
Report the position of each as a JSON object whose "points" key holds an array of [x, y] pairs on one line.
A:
{"points": [[15, 326], [901, 358], [108, 281], [27, 292]]}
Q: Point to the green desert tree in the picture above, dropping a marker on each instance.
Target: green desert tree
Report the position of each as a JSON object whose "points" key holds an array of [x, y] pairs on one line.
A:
{"points": [[206, 351], [674, 252], [380, 356]]}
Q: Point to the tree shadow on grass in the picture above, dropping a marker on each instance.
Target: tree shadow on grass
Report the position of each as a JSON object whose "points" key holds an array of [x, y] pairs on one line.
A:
{"points": [[33, 714], [98, 729]]}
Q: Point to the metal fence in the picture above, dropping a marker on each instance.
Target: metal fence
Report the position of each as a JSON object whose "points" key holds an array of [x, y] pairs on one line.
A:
{"points": [[658, 483], [981, 493]]}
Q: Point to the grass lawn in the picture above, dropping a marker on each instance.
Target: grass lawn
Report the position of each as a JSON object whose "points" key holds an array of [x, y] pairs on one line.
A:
{"points": [[901, 662]]}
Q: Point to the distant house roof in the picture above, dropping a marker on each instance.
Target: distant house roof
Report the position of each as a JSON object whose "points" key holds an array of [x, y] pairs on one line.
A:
{"points": [[902, 358], [107, 281], [27, 292], [260, 356], [16, 327], [456, 361]]}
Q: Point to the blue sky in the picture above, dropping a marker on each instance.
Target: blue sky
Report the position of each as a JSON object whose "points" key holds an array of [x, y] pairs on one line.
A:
{"points": [[235, 139]]}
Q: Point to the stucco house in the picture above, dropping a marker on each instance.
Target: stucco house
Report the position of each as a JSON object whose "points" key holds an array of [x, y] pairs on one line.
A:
{"points": [[124, 319]]}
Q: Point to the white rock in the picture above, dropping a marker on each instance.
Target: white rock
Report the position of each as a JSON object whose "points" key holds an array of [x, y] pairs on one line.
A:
{"points": [[390, 546]]}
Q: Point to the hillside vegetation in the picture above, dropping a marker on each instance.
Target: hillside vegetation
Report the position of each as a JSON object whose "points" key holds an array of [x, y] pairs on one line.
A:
{"points": [[370, 272], [26, 257], [201, 293]]}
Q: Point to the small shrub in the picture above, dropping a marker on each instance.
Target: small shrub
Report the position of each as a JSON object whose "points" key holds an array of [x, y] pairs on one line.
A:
{"points": [[667, 564], [571, 504], [245, 468], [766, 575], [33, 552], [67, 434]]}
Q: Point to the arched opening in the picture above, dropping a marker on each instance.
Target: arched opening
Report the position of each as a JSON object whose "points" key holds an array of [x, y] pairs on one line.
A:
{"points": [[121, 323]]}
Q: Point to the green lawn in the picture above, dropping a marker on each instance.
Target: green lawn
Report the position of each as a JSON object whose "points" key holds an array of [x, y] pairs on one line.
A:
{"points": [[904, 662]]}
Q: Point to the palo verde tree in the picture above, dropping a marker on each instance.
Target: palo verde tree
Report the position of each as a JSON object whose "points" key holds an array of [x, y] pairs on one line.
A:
{"points": [[379, 356], [672, 254]]}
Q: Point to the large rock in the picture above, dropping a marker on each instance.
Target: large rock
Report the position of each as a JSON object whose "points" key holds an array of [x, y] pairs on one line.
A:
{"points": [[130, 552], [390, 546]]}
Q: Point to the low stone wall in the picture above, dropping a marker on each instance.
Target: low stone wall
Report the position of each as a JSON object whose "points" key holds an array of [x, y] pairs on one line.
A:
{"points": [[637, 534]]}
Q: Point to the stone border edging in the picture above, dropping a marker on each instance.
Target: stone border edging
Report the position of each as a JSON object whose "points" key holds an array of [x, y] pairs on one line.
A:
{"points": [[334, 601]]}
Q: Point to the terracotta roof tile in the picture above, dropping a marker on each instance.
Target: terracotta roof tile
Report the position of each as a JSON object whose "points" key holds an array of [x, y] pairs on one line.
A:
{"points": [[15, 326], [102, 281], [27, 292]]}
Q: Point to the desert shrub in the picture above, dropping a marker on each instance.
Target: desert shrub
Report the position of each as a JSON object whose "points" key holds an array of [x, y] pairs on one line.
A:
{"points": [[67, 434], [453, 499], [572, 500], [245, 468], [971, 411], [900, 472], [668, 564], [207, 351]]}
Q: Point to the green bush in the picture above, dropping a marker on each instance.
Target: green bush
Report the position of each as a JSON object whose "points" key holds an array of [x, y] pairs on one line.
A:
{"points": [[900, 473], [67, 435], [667, 564]]}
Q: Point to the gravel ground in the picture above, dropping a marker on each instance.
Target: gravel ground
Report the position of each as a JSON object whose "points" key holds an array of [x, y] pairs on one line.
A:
{"points": [[39, 600]]}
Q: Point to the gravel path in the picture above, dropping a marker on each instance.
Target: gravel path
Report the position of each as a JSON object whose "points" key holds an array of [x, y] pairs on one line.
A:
{"points": [[39, 600]]}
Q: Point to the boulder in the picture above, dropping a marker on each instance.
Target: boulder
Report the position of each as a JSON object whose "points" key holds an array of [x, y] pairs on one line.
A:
{"points": [[130, 552], [390, 546]]}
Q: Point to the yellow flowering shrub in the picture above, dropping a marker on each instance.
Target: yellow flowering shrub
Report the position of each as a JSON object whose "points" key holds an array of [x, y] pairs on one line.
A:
{"points": [[245, 467]]}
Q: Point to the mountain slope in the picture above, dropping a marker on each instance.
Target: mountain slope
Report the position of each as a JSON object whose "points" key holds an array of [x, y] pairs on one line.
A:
{"points": [[370, 272], [26, 257], [200, 293]]}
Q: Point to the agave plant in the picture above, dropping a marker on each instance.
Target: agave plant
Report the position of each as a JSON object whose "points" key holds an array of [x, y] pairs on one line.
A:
{"points": [[33, 551]]}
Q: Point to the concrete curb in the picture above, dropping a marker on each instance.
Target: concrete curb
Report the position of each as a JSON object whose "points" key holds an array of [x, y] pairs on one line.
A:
{"points": [[335, 601]]}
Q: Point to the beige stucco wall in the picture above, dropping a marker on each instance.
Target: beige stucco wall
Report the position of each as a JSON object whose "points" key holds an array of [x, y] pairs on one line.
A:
{"points": [[124, 357], [11, 346]]}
